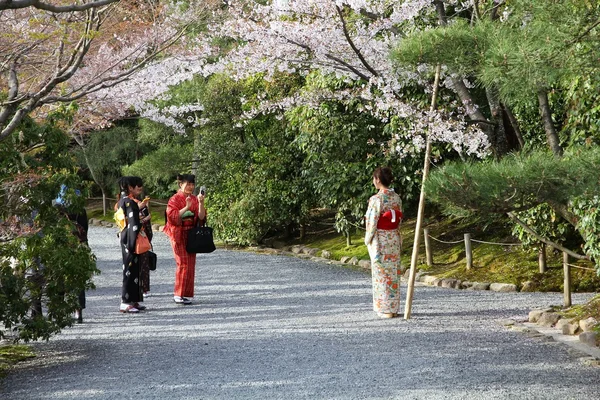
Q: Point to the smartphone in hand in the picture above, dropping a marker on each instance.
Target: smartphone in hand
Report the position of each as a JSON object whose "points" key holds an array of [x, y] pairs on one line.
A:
{"points": [[202, 190]]}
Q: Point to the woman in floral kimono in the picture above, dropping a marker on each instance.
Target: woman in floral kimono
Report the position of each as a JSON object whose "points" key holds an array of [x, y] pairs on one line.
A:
{"points": [[384, 244], [131, 293], [184, 211]]}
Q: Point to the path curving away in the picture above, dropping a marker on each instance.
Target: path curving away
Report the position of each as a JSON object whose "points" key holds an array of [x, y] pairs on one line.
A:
{"points": [[277, 327]]}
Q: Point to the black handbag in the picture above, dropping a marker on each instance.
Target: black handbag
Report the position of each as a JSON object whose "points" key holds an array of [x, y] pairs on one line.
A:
{"points": [[152, 260], [200, 240]]}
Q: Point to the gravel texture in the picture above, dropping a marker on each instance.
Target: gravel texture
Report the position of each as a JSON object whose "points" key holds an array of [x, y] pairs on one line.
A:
{"points": [[278, 327]]}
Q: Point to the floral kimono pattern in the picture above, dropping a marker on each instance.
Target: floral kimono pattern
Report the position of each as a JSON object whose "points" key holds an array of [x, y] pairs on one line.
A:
{"points": [[384, 250]]}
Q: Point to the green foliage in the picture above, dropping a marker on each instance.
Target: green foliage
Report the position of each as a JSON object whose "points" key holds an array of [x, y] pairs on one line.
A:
{"points": [[536, 44], [107, 152], [159, 168], [40, 258], [517, 182], [527, 183], [588, 211], [582, 120], [545, 222]]}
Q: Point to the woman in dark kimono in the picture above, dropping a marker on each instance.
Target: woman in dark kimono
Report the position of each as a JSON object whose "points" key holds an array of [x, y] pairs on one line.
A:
{"points": [[131, 294]]}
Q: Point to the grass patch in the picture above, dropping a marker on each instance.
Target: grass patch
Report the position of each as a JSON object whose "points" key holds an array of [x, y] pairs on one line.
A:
{"points": [[583, 311], [11, 354]]}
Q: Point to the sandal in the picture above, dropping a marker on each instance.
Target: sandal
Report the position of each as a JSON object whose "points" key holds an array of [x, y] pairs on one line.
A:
{"points": [[129, 309]]}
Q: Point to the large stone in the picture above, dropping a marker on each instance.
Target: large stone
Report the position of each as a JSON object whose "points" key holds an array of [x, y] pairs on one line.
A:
{"points": [[365, 264], [450, 283], [466, 285], [296, 249], [548, 319], [503, 287], [588, 338], [567, 327], [161, 228], [528, 286], [480, 286], [155, 227], [345, 259], [429, 279], [353, 261], [326, 254], [310, 251], [588, 324], [534, 315]]}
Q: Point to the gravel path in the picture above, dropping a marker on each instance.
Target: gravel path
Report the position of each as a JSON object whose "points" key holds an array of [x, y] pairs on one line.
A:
{"points": [[277, 327]]}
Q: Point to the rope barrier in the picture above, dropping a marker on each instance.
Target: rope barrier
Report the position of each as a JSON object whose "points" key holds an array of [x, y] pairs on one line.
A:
{"points": [[577, 266], [443, 241], [499, 244]]}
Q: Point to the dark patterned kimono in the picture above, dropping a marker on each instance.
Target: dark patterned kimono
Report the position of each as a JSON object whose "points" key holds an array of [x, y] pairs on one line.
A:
{"points": [[132, 290]]}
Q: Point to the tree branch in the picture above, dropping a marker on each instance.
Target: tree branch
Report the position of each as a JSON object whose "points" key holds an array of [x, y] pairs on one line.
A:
{"points": [[352, 45], [544, 240], [18, 4]]}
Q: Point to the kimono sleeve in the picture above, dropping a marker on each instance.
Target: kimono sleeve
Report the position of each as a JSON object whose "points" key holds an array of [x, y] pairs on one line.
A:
{"points": [[172, 212], [371, 218]]}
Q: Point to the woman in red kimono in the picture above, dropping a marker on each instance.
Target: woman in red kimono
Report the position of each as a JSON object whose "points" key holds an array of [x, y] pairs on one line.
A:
{"points": [[184, 211]]}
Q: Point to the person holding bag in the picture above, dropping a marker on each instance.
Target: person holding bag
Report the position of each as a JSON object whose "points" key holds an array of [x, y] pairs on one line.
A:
{"points": [[131, 293], [184, 212]]}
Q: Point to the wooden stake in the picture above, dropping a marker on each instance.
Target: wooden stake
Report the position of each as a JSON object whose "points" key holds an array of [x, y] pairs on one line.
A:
{"points": [[468, 251], [567, 281], [428, 252], [419, 225]]}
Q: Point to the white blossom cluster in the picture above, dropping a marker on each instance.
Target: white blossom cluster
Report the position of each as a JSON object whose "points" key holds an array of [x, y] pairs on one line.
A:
{"points": [[302, 36]]}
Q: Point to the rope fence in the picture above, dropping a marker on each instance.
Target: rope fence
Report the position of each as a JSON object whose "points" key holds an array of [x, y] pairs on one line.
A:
{"points": [[543, 267]]}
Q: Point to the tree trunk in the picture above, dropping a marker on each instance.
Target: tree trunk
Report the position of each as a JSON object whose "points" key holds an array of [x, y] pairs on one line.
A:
{"points": [[500, 144], [546, 114], [494, 131], [348, 238], [104, 201], [515, 125], [81, 144]]}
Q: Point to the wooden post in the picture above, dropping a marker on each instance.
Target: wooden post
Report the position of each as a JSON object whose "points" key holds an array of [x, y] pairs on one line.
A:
{"points": [[427, 247], [567, 281], [421, 209], [542, 258], [468, 251]]}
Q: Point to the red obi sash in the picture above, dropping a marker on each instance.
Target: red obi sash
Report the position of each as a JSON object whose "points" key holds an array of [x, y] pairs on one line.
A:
{"points": [[389, 220]]}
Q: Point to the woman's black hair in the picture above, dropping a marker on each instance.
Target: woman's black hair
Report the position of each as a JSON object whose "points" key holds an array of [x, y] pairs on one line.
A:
{"points": [[384, 174], [126, 181], [189, 178]]}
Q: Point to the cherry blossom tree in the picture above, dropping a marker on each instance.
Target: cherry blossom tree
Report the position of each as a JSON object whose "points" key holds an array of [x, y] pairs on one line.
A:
{"points": [[53, 57], [350, 39]]}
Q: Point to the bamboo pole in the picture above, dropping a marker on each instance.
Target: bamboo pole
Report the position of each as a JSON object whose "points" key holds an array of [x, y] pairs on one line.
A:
{"points": [[567, 281], [427, 241], [419, 225], [468, 251]]}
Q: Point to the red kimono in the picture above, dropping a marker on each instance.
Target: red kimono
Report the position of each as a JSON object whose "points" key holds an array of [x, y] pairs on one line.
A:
{"points": [[177, 231]]}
